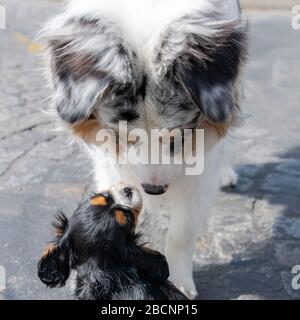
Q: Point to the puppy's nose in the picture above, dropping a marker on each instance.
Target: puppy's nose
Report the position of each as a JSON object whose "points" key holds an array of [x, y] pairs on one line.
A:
{"points": [[154, 190], [128, 192]]}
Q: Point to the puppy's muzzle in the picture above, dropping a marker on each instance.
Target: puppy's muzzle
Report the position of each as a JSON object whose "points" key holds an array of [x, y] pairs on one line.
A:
{"points": [[154, 190]]}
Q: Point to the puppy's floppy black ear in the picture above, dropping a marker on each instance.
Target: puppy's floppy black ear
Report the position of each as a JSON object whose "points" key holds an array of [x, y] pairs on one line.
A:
{"points": [[150, 263], [204, 59], [54, 265], [87, 57]]}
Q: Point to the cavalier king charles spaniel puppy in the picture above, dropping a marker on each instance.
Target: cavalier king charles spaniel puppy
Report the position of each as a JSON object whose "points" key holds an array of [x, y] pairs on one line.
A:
{"points": [[100, 243]]}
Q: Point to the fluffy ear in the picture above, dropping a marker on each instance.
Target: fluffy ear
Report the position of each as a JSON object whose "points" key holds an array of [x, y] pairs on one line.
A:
{"points": [[204, 55], [150, 263], [87, 58], [54, 265]]}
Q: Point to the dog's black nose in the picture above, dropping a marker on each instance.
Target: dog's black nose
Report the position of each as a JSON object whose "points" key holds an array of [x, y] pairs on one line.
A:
{"points": [[128, 192], [154, 190]]}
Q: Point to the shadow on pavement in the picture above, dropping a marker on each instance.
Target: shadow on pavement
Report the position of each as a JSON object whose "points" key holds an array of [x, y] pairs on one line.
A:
{"points": [[257, 273]]}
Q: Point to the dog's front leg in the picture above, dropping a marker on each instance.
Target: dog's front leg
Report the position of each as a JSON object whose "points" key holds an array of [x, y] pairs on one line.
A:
{"points": [[180, 245], [191, 198]]}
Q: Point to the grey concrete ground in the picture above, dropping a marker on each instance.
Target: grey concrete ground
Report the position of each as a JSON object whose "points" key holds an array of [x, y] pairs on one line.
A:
{"points": [[269, 4], [254, 231]]}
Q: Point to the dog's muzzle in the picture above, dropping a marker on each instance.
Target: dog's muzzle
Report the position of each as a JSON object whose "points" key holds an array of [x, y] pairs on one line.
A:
{"points": [[154, 190]]}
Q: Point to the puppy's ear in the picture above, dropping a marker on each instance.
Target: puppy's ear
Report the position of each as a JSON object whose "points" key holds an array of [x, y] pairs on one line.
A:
{"points": [[87, 57], [150, 263], [54, 265], [204, 56]]}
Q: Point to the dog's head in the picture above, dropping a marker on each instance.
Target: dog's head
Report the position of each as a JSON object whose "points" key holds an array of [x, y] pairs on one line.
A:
{"points": [[183, 76], [101, 230]]}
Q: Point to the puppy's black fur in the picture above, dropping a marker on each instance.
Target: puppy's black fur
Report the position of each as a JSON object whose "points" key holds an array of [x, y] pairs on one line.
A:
{"points": [[100, 243]]}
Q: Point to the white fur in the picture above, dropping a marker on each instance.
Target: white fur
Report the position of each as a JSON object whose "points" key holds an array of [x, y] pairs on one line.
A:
{"points": [[143, 22], [187, 200], [189, 197]]}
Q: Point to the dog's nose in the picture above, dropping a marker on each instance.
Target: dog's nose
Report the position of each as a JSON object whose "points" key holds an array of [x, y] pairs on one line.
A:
{"points": [[154, 190], [128, 192]]}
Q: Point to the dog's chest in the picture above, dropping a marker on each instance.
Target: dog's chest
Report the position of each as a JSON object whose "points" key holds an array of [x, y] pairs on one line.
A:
{"points": [[107, 286]]}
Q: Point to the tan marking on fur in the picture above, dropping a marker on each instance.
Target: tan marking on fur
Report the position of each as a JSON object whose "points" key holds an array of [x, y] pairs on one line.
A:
{"points": [[220, 128], [98, 201], [87, 130], [48, 250], [136, 212], [120, 217]]}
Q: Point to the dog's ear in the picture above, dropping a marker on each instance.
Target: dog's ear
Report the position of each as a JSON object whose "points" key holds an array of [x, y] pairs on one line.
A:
{"points": [[150, 263], [54, 265], [204, 56], [87, 58]]}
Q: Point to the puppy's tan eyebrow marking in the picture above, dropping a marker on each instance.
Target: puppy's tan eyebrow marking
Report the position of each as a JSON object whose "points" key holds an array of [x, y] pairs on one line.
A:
{"points": [[98, 201], [120, 217]]}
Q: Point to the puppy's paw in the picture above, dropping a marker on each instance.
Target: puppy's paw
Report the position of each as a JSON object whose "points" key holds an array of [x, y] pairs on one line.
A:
{"points": [[53, 268], [229, 177]]}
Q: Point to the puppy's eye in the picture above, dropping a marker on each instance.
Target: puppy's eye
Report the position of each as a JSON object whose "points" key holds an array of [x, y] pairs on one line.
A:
{"points": [[120, 217], [98, 200]]}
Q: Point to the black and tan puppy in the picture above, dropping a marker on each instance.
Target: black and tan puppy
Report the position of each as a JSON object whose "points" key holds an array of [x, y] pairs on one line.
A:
{"points": [[100, 243]]}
